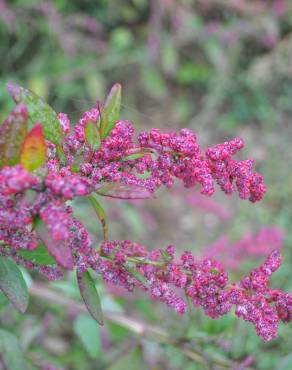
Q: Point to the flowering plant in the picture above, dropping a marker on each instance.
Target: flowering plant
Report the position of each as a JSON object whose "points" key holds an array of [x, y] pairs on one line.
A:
{"points": [[45, 165]]}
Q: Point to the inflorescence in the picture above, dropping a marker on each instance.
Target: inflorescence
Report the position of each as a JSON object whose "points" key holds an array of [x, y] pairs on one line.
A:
{"points": [[123, 165]]}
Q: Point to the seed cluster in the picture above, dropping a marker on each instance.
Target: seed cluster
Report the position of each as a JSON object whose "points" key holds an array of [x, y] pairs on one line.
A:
{"points": [[124, 167]]}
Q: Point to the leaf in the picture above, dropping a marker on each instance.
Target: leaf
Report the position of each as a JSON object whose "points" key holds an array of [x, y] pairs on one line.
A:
{"points": [[90, 295], [122, 191], [88, 332], [12, 134], [92, 135], [131, 157], [100, 212], [58, 249], [40, 255], [111, 111], [39, 111], [10, 351], [12, 284], [33, 150]]}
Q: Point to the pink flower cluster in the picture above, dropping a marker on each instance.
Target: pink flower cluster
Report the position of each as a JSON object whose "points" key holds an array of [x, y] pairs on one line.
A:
{"points": [[156, 159], [258, 245], [205, 282], [230, 173], [34, 210]]}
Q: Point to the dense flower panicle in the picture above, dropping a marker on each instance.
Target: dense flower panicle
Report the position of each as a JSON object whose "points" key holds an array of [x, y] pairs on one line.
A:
{"points": [[257, 310], [226, 171], [122, 167], [163, 157], [68, 185], [283, 304], [16, 179], [254, 301], [179, 156], [205, 282]]}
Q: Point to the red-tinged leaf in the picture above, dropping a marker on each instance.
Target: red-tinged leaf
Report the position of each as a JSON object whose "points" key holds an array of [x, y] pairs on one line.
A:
{"points": [[100, 212], [39, 111], [111, 110], [90, 295], [122, 191], [57, 249], [92, 135], [12, 134], [12, 284], [33, 150]]}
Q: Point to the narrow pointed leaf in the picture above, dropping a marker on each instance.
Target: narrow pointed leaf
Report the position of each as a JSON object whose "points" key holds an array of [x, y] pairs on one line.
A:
{"points": [[111, 110], [56, 248], [90, 295], [12, 134], [100, 212], [33, 150], [123, 191], [131, 157], [12, 284], [39, 111], [92, 135]]}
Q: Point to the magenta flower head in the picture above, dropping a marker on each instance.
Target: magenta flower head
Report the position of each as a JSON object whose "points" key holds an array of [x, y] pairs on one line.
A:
{"points": [[103, 156]]}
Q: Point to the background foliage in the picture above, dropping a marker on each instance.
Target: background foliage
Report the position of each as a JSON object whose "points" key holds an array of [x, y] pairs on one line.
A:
{"points": [[219, 67]]}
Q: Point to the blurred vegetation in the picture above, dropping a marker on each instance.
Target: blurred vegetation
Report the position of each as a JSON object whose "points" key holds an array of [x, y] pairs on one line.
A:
{"points": [[222, 68]]}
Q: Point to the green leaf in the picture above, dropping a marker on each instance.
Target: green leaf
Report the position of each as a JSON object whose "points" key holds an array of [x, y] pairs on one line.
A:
{"points": [[39, 111], [88, 332], [100, 212], [132, 157], [33, 151], [92, 135], [12, 284], [10, 351], [90, 295], [40, 255], [111, 111], [12, 134]]}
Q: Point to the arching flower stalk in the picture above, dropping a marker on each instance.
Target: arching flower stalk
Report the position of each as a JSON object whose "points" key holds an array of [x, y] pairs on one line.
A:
{"points": [[102, 156]]}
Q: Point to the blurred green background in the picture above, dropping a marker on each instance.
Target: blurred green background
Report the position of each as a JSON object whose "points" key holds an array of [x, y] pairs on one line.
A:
{"points": [[221, 68]]}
